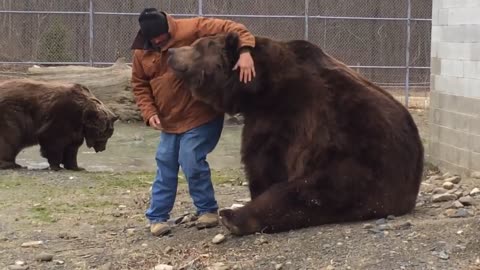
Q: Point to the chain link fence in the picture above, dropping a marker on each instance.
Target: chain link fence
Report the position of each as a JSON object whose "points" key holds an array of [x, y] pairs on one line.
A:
{"points": [[388, 41]]}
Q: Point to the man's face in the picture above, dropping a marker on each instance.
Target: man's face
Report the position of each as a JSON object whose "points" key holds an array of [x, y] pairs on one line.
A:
{"points": [[160, 41]]}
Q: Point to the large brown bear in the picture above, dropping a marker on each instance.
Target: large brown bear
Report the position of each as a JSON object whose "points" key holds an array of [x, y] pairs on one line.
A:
{"points": [[58, 116], [320, 143]]}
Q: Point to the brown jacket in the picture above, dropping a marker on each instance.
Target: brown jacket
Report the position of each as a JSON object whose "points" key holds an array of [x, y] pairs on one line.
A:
{"points": [[158, 91]]}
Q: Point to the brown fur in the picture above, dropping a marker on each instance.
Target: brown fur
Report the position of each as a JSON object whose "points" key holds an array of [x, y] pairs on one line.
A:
{"points": [[58, 116], [321, 144]]}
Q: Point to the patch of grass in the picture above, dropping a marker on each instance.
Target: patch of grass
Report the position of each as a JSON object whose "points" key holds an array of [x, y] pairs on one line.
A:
{"points": [[234, 176], [97, 204], [42, 214], [135, 180], [13, 181], [129, 180]]}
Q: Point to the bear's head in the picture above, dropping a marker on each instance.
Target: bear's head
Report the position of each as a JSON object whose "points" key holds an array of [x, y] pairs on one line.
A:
{"points": [[206, 67], [98, 123]]}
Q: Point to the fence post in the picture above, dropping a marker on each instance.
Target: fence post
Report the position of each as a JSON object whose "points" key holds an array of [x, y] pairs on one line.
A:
{"points": [[306, 19], [200, 7], [91, 34], [407, 54]]}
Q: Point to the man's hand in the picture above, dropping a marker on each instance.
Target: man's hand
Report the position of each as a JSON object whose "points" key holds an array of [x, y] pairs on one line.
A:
{"points": [[247, 67], [154, 122]]}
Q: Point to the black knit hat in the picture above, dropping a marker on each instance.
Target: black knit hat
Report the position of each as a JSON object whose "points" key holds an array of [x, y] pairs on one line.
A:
{"points": [[152, 23]]}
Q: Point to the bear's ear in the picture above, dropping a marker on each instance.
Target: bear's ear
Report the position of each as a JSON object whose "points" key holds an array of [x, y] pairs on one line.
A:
{"points": [[231, 45], [93, 119]]}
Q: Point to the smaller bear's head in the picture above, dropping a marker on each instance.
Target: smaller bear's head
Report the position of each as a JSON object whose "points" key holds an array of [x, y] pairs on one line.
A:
{"points": [[98, 122], [206, 67]]}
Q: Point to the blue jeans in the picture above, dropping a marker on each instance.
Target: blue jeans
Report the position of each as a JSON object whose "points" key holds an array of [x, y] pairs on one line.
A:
{"points": [[188, 150]]}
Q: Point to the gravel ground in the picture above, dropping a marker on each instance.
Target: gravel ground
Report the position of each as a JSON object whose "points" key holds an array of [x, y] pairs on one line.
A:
{"points": [[94, 220]]}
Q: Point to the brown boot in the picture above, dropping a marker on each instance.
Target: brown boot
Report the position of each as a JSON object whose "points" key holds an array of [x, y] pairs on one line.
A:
{"points": [[159, 229], [207, 220]]}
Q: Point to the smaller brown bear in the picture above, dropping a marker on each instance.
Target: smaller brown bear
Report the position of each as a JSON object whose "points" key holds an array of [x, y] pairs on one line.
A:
{"points": [[56, 115]]}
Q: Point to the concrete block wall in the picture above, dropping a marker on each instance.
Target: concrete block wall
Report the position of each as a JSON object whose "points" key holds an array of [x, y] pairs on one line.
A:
{"points": [[454, 142]]}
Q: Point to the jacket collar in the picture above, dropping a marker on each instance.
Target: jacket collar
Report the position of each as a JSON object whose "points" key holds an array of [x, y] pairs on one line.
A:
{"points": [[140, 43]]}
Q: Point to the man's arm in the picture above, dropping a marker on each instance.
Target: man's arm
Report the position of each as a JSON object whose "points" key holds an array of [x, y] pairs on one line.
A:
{"points": [[142, 90], [211, 26]]}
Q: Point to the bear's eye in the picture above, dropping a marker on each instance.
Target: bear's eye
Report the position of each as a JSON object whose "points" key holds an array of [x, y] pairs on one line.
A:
{"points": [[210, 44]]}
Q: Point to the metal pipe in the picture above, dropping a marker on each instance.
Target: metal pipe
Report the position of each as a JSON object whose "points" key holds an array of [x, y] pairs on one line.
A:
{"points": [[91, 32], [111, 63], [306, 19], [200, 12], [45, 63], [407, 54], [41, 12]]}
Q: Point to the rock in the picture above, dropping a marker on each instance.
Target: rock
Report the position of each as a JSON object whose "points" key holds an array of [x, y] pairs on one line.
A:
{"points": [[446, 175], [58, 262], [454, 179], [260, 241], [458, 193], [131, 231], [243, 200], [435, 177], [236, 205], [475, 192], [244, 184], [219, 238], [330, 267], [443, 197], [457, 204], [233, 120], [390, 217], [459, 213], [475, 175], [18, 267], [219, 266], [381, 221], [168, 250], [163, 267], [404, 226], [439, 190], [467, 200], [278, 266], [448, 185], [44, 257], [450, 212], [367, 226], [107, 266], [427, 188], [374, 230], [186, 219], [384, 227], [32, 244], [443, 255]]}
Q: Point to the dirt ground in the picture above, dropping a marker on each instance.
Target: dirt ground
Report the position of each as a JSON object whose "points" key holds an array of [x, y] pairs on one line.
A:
{"points": [[95, 220]]}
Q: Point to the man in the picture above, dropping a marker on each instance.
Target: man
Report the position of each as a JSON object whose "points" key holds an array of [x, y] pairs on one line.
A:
{"points": [[190, 128]]}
